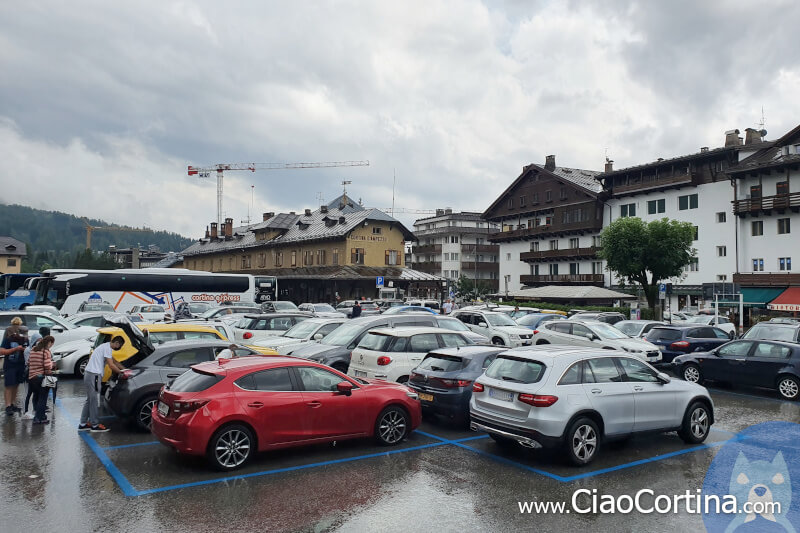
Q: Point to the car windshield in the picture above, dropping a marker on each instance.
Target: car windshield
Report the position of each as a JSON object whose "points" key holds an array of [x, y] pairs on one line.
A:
{"points": [[663, 334], [375, 341], [301, 330], [607, 331], [515, 370], [700, 319], [152, 309], [343, 335], [210, 313], [453, 324], [442, 363], [284, 306], [500, 319], [771, 333], [194, 381], [199, 308], [629, 328], [324, 308]]}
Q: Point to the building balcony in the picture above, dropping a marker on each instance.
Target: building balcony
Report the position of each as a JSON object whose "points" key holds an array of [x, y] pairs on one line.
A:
{"points": [[551, 255], [766, 204], [480, 266], [426, 249], [767, 279], [453, 230], [654, 183], [429, 267], [548, 230], [566, 279], [480, 248]]}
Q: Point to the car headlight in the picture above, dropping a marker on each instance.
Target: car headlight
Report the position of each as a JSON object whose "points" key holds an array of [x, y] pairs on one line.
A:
{"points": [[514, 337], [61, 355], [413, 395]]}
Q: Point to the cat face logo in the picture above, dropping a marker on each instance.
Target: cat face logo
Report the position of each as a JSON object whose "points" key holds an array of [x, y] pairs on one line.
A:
{"points": [[763, 483]]}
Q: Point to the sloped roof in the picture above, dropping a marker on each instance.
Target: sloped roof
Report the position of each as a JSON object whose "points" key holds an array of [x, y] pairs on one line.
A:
{"points": [[350, 272], [570, 292], [11, 246], [313, 228], [771, 155]]}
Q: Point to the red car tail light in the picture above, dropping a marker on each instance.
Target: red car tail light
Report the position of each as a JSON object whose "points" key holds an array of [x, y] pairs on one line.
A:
{"points": [[247, 335], [188, 406], [538, 400], [680, 345], [126, 374], [453, 383], [384, 360], [477, 387]]}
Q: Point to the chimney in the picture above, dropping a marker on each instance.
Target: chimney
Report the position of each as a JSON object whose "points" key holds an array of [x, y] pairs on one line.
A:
{"points": [[703, 149], [222, 230], [308, 212], [323, 209], [732, 138], [550, 162], [439, 212], [752, 136], [213, 230], [207, 234], [448, 211], [267, 216], [292, 213], [341, 220], [229, 227], [609, 165]]}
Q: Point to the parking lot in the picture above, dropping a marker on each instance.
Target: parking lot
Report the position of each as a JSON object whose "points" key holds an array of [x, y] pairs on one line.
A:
{"points": [[440, 477]]}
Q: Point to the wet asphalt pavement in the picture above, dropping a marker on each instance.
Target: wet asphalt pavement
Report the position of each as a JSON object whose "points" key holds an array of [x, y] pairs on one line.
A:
{"points": [[442, 478]]}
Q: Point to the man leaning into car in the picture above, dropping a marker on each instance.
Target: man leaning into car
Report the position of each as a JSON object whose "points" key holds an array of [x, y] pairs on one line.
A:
{"points": [[93, 380]]}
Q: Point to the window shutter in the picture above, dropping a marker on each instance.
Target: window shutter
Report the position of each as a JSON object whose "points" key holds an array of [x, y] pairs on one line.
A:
{"points": [[387, 257]]}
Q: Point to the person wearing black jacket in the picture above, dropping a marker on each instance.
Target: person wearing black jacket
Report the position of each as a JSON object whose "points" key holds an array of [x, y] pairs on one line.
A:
{"points": [[356, 310]]}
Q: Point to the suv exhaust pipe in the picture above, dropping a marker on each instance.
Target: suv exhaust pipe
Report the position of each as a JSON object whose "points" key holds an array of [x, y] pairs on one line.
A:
{"points": [[523, 441]]}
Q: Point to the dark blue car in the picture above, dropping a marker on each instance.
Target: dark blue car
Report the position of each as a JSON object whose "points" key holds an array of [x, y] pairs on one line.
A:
{"points": [[678, 340], [444, 379], [532, 320]]}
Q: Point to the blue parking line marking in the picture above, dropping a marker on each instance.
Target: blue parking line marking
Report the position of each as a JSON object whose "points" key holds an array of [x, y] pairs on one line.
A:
{"points": [[120, 446], [288, 469]]}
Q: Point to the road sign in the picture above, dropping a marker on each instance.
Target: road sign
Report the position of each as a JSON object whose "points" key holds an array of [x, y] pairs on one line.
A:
{"points": [[662, 291], [379, 282]]}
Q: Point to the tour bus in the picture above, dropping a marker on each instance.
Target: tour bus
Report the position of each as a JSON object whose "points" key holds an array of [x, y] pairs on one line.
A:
{"points": [[68, 288], [13, 294]]}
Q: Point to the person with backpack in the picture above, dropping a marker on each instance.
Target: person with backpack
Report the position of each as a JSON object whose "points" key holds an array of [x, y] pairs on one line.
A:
{"points": [[15, 339], [40, 364]]}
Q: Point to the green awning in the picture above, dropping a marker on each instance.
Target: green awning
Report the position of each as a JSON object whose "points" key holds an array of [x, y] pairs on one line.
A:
{"points": [[753, 297]]}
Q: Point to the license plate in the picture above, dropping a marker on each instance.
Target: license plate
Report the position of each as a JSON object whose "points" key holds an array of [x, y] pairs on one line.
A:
{"points": [[360, 374], [501, 395], [526, 343], [163, 408], [425, 397]]}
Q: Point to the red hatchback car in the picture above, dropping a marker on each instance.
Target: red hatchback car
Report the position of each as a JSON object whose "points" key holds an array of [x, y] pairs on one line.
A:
{"points": [[229, 409]]}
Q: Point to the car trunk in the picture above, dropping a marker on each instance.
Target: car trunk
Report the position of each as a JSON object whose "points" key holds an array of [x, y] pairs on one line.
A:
{"points": [[440, 373], [139, 341], [504, 381]]}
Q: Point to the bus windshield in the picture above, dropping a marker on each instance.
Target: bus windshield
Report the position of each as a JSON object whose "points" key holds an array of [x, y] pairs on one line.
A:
{"points": [[13, 293]]}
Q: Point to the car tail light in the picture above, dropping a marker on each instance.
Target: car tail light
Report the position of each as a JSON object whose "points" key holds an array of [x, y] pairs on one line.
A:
{"points": [[247, 335], [453, 383], [127, 374], [680, 345], [384, 360], [538, 400], [477, 387], [187, 406]]}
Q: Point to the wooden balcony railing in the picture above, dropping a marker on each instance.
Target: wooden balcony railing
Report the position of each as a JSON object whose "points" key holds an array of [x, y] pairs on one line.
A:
{"points": [[568, 253], [767, 203], [482, 266], [653, 182], [547, 229], [767, 279], [573, 279], [480, 248], [427, 249]]}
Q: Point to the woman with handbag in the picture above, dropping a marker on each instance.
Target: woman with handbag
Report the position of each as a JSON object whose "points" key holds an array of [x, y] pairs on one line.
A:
{"points": [[40, 376]]}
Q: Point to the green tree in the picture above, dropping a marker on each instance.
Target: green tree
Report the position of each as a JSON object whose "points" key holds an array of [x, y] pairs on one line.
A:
{"points": [[647, 252], [466, 288]]}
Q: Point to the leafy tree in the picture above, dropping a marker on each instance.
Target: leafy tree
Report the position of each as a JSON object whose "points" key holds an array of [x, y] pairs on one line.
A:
{"points": [[647, 252], [466, 288]]}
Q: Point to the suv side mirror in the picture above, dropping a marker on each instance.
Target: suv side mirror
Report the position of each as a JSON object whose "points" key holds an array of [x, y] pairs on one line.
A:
{"points": [[318, 336], [663, 378], [482, 325], [58, 328], [590, 336], [345, 388]]}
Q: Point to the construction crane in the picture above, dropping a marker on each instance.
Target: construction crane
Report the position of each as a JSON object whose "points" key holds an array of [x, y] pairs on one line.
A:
{"points": [[90, 229], [205, 172]]}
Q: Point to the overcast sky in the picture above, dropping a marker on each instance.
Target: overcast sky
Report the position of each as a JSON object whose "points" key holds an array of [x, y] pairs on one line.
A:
{"points": [[104, 104]]}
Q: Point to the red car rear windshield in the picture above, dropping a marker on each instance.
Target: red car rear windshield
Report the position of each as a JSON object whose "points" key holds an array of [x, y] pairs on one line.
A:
{"points": [[194, 381]]}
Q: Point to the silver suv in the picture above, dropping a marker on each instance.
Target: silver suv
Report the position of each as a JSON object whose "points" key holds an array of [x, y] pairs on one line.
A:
{"points": [[575, 399]]}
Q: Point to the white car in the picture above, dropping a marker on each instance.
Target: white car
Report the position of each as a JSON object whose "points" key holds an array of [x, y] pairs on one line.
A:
{"points": [[60, 329], [321, 310], [391, 353], [311, 330], [47, 309], [593, 334], [93, 319], [220, 325], [711, 320], [454, 324], [498, 327], [577, 399], [71, 357], [149, 312], [254, 327], [637, 328]]}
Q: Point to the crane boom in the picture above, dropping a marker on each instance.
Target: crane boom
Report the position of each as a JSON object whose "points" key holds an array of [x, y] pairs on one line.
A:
{"points": [[205, 172]]}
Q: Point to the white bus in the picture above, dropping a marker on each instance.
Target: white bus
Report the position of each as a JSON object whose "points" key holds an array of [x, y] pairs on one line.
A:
{"points": [[67, 289]]}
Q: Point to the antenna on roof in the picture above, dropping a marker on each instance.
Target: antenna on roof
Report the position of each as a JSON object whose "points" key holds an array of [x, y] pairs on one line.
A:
{"points": [[762, 130], [344, 187]]}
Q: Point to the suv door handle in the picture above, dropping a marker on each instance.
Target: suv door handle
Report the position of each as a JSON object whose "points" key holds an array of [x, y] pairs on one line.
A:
{"points": [[314, 404], [255, 404], [596, 391], [638, 388], [173, 375]]}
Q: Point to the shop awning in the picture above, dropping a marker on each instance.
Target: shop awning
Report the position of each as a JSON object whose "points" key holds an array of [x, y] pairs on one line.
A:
{"points": [[753, 297], [789, 300]]}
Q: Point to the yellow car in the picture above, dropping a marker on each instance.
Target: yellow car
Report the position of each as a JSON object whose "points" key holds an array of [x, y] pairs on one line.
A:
{"points": [[139, 339]]}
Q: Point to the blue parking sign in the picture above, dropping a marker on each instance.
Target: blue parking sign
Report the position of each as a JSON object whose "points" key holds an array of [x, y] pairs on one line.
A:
{"points": [[379, 281]]}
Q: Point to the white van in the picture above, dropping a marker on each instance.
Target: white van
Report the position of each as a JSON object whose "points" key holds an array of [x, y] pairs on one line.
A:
{"points": [[391, 353]]}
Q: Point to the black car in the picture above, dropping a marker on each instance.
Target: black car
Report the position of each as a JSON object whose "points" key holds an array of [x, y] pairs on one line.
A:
{"points": [[443, 380], [678, 340], [335, 349], [754, 363], [133, 393], [774, 330]]}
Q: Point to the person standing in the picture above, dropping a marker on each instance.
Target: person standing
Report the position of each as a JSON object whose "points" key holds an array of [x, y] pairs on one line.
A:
{"points": [[447, 307], [356, 310], [44, 331], [93, 380], [13, 347], [40, 364]]}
